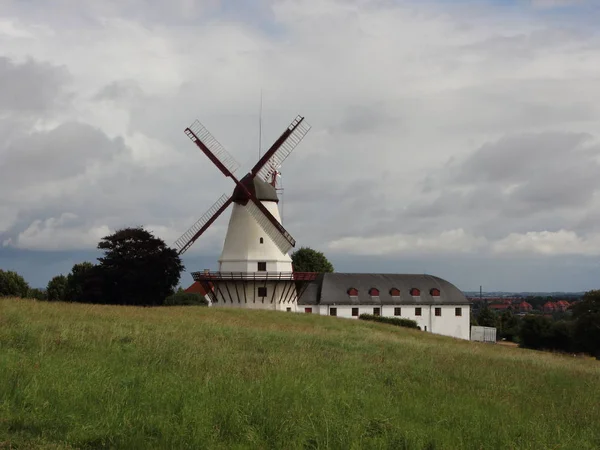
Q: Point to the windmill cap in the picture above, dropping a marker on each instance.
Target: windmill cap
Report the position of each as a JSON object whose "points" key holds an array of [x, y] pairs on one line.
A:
{"points": [[261, 189]]}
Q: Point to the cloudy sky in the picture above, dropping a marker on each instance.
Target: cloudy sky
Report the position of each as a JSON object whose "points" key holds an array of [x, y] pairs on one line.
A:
{"points": [[456, 138]]}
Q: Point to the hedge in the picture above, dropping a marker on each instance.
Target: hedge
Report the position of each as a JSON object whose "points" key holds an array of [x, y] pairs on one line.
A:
{"points": [[390, 320]]}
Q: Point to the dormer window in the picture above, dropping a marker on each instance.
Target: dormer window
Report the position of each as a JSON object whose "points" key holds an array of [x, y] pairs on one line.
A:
{"points": [[415, 292], [353, 292], [374, 292], [395, 292], [435, 292]]}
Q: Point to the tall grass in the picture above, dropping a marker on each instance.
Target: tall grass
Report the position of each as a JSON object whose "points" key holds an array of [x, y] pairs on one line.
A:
{"points": [[90, 376]]}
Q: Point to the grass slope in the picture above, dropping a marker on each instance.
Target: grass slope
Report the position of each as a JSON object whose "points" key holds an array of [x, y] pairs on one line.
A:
{"points": [[87, 376]]}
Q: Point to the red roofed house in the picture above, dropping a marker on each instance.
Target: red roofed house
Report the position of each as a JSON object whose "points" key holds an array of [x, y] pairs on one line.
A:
{"points": [[197, 288], [525, 307]]}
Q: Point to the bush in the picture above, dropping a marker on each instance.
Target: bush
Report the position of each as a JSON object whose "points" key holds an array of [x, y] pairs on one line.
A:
{"points": [[38, 294], [186, 299], [407, 323], [57, 288], [540, 333], [12, 284]]}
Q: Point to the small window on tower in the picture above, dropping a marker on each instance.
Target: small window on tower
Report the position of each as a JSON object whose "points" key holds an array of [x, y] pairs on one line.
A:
{"points": [[262, 266], [262, 291], [262, 241]]}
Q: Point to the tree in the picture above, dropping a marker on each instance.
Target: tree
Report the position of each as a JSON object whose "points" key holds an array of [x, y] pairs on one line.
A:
{"points": [[535, 332], [56, 288], [37, 293], [138, 268], [80, 284], [486, 317], [586, 315], [509, 325], [12, 284], [305, 259]]}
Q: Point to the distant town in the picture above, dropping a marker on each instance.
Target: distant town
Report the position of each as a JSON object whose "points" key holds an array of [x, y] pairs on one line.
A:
{"points": [[521, 303]]}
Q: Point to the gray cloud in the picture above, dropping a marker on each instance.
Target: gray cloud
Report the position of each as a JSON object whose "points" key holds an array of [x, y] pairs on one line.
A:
{"points": [[427, 134], [32, 87]]}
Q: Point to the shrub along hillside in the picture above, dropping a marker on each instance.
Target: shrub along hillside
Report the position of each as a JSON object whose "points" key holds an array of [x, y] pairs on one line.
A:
{"points": [[97, 376]]}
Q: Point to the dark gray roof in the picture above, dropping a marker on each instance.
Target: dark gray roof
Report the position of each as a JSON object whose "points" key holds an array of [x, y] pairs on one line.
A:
{"points": [[261, 189], [332, 289]]}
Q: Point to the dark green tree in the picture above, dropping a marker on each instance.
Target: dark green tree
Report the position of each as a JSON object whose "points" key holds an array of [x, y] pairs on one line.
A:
{"points": [[79, 282], [305, 259], [12, 284], [37, 293], [138, 268], [586, 315], [56, 288], [509, 325], [535, 332], [486, 317]]}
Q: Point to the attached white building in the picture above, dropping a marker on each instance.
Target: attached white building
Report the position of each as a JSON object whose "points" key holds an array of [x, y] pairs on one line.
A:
{"points": [[435, 304]]}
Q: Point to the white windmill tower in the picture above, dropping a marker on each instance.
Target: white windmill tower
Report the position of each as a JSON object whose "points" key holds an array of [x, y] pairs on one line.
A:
{"points": [[255, 270]]}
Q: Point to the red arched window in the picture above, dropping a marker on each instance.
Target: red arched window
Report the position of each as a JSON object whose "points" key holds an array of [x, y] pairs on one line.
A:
{"points": [[374, 292], [395, 292], [352, 292], [435, 292], [415, 292]]}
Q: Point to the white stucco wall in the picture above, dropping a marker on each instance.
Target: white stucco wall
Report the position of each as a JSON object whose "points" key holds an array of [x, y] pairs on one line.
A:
{"points": [[242, 249], [448, 324], [252, 300]]}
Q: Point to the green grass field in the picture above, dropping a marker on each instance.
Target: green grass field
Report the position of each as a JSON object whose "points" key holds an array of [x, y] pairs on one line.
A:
{"points": [[88, 376]]}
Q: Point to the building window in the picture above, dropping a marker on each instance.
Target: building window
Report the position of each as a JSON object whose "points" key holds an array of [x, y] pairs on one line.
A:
{"points": [[417, 311], [262, 241], [458, 311], [288, 309], [438, 312], [374, 292], [397, 311], [354, 312], [395, 292], [262, 291], [352, 292], [435, 292], [376, 311], [308, 310], [333, 311], [415, 292], [262, 266]]}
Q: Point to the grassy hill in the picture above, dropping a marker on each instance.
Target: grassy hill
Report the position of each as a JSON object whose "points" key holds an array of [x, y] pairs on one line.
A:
{"points": [[83, 376]]}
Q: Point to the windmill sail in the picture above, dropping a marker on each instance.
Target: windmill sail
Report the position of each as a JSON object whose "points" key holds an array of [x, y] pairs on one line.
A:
{"points": [[283, 240], [213, 148], [187, 239], [281, 149]]}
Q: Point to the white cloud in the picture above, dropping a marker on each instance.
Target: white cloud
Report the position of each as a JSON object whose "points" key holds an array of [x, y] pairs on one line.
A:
{"points": [[562, 242], [450, 241], [61, 233]]}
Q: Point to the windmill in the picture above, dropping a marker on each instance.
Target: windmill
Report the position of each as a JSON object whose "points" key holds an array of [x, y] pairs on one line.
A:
{"points": [[256, 245]]}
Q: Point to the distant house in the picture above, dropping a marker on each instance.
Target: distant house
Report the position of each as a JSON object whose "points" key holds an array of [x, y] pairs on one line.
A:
{"points": [[561, 305], [525, 307]]}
